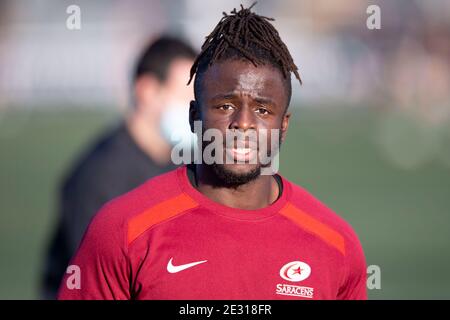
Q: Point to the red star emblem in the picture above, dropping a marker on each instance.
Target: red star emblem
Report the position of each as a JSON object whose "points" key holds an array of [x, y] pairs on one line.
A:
{"points": [[298, 270]]}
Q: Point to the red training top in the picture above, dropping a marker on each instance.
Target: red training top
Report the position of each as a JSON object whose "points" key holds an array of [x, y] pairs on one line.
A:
{"points": [[166, 240]]}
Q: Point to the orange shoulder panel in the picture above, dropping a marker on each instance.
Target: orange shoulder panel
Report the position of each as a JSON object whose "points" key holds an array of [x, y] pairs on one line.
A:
{"points": [[314, 226], [158, 213]]}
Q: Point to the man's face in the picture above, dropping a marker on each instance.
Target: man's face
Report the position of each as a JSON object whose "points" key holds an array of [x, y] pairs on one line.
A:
{"points": [[174, 116], [175, 87], [154, 96], [236, 95]]}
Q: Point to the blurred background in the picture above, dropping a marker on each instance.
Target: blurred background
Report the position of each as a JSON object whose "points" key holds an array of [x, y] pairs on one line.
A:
{"points": [[370, 134]]}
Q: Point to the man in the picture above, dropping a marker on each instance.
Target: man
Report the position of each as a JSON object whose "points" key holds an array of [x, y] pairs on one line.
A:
{"points": [[224, 230], [136, 150]]}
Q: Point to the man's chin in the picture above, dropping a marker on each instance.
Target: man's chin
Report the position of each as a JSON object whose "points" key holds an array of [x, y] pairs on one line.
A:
{"points": [[234, 175]]}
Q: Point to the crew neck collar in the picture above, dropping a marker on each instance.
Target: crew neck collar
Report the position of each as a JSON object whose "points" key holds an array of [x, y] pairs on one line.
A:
{"points": [[236, 213]]}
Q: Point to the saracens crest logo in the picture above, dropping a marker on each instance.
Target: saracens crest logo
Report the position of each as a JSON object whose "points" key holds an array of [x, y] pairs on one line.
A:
{"points": [[295, 271]]}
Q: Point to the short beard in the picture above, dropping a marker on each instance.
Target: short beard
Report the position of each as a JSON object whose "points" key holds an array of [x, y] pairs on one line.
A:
{"points": [[229, 179]]}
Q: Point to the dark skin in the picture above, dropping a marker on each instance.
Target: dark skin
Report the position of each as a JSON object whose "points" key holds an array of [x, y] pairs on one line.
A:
{"points": [[237, 95]]}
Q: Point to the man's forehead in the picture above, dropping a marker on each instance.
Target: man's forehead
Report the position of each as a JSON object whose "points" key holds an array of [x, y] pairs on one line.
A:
{"points": [[251, 80], [237, 75]]}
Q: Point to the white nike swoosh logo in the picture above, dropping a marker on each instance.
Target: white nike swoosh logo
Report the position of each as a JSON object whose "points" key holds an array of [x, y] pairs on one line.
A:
{"points": [[174, 269]]}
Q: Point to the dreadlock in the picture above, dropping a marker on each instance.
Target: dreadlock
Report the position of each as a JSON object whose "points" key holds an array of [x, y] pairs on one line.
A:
{"points": [[246, 34]]}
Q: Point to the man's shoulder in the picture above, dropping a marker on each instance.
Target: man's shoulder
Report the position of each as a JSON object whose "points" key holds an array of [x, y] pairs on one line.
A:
{"points": [[317, 216], [136, 211], [96, 158], [150, 193]]}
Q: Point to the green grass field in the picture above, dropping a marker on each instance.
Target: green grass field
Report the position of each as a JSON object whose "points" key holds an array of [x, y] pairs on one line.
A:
{"points": [[402, 216]]}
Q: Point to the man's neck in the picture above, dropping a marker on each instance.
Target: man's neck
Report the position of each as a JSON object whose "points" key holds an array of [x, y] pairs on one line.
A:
{"points": [[256, 194], [146, 135]]}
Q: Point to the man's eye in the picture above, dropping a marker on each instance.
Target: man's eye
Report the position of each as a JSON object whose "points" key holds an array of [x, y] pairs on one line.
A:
{"points": [[226, 107], [262, 111]]}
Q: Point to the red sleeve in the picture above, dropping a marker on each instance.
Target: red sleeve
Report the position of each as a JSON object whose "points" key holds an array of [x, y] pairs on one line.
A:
{"points": [[354, 285], [100, 268]]}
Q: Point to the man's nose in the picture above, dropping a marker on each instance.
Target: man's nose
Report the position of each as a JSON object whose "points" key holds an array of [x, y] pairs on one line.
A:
{"points": [[243, 119]]}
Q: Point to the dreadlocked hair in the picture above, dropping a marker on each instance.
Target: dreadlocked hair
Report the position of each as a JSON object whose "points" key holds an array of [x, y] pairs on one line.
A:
{"points": [[246, 34]]}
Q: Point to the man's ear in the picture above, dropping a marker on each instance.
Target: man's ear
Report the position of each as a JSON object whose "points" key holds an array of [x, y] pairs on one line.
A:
{"points": [[194, 113], [284, 126]]}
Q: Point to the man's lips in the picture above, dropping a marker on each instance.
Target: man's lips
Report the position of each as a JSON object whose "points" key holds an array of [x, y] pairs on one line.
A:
{"points": [[241, 151], [241, 154]]}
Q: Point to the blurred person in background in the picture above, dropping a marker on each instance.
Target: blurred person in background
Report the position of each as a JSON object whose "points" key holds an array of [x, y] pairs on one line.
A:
{"points": [[123, 158]]}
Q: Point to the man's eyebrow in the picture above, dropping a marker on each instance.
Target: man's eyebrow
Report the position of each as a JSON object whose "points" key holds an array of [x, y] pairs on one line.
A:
{"points": [[228, 95], [264, 100], [231, 95]]}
